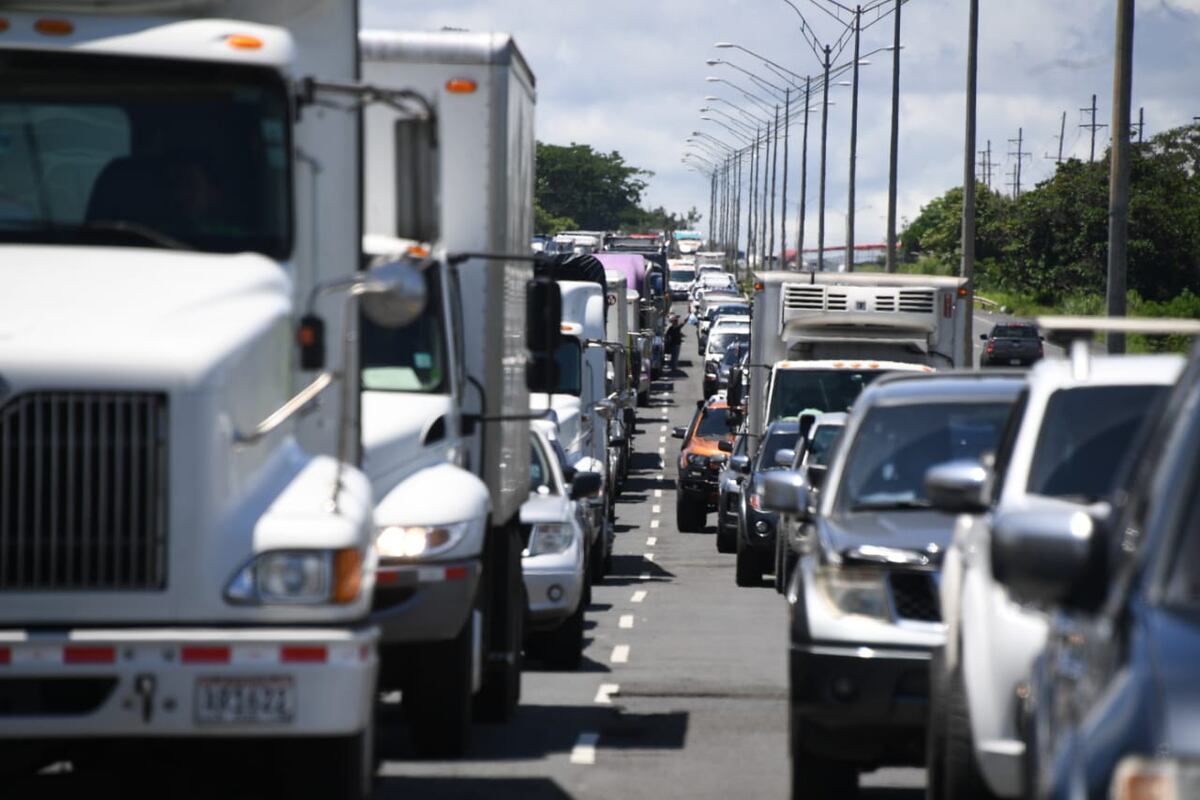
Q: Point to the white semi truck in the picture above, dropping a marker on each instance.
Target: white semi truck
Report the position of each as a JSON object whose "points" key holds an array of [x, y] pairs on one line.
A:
{"points": [[445, 402], [816, 337], [622, 390], [186, 541]]}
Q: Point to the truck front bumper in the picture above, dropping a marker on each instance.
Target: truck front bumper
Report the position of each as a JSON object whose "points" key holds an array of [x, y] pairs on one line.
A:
{"points": [[424, 602], [860, 702], [130, 683]]}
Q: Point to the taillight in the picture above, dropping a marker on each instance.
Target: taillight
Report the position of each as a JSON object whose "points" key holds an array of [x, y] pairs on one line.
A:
{"points": [[990, 347]]}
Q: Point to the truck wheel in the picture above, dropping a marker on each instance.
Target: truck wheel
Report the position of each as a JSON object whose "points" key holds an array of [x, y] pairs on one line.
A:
{"points": [[961, 777], [598, 565], [748, 570], [726, 537], [562, 648], [504, 634], [437, 699]]}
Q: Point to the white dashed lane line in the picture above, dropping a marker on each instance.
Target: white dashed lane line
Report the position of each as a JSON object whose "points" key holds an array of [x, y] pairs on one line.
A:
{"points": [[620, 654], [653, 523], [655, 509], [638, 596], [651, 541], [584, 751], [658, 492], [605, 692], [626, 621]]}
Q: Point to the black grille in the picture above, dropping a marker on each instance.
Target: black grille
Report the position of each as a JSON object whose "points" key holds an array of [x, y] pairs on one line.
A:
{"points": [[915, 596], [83, 491]]}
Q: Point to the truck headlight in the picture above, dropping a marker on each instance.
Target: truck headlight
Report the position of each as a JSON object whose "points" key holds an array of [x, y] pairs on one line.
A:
{"points": [[854, 591], [419, 541], [1141, 778], [298, 577], [550, 538], [697, 461]]}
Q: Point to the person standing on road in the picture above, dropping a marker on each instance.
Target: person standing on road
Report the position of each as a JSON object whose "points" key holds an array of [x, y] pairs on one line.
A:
{"points": [[673, 339]]}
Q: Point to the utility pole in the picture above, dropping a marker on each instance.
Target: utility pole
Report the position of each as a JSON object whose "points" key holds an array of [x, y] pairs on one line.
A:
{"points": [[967, 357], [764, 250], [787, 110], [774, 172], [803, 175], [895, 145], [1093, 127], [1118, 181], [750, 202], [737, 211], [1062, 135], [1141, 123], [1014, 181], [1020, 156], [824, 143], [985, 164], [853, 144]]}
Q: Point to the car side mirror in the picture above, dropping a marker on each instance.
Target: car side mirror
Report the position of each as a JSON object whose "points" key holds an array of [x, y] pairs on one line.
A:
{"points": [[983, 337], [733, 393], [586, 484], [678, 432], [784, 457], [960, 487], [816, 477], [786, 492], [741, 463], [1051, 556], [725, 446]]}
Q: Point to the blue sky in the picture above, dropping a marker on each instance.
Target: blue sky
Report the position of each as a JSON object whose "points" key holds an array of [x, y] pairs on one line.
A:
{"points": [[628, 75]]}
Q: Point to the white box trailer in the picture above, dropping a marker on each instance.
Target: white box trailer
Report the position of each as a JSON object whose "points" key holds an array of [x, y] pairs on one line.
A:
{"points": [[447, 449], [185, 554], [842, 319]]}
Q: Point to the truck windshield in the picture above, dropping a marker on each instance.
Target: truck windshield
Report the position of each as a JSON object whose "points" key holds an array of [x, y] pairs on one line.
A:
{"points": [[683, 275], [795, 390], [896, 445], [1085, 437], [720, 340], [140, 152], [408, 359]]}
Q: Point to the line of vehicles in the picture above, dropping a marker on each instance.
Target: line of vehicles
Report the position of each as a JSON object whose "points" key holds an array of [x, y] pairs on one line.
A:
{"points": [[290, 416], [988, 573]]}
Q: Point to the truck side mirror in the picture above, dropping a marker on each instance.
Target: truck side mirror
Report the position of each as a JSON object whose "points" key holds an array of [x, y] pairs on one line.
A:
{"points": [[417, 183], [733, 394], [678, 432], [393, 294], [543, 315], [1052, 556], [725, 446], [586, 484], [787, 493], [741, 463]]}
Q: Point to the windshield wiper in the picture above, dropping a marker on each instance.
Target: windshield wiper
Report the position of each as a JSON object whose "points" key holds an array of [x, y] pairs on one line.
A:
{"points": [[892, 505], [137, 229]]}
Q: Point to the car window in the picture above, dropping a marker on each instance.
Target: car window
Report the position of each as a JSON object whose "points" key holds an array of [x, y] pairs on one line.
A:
{"points": [[1014, 332], [1086, 434], [896, 445], [717, 342], [820, 444], [713, 422], [540, 480], [772, 445]]}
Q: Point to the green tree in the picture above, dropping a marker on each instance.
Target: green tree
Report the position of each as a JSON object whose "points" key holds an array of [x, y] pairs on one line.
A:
{"points": [[599, 191]]}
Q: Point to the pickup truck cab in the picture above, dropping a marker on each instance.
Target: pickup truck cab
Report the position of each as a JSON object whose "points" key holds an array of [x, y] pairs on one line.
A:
{"points": [[701, 461]]}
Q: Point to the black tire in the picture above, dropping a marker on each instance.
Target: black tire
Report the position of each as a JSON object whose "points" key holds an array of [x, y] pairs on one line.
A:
{"points": [[437, 697], [643, 399], [562, 648], [935, 729], [779, 579], [748, 569], [961, 777], [815, 778], [598, 558], [690, 514], [504, 629]]}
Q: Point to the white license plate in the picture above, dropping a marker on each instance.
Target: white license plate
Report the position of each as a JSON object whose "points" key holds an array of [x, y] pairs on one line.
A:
{"points": [[254, 701], [1014, 361]]}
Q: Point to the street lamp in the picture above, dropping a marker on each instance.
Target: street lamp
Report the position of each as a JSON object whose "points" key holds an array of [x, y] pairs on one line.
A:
{"points": [[767, 107], [727, 115], [729, 128], [758, 79]]}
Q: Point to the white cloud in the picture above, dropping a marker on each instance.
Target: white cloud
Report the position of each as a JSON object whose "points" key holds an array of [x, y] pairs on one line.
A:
{"points": [[628, 75]]}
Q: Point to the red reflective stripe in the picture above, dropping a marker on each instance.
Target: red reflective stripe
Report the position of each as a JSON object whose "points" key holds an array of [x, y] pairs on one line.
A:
{"points": [[5, 655], [301, 655], [89, 655], [456, 573], [197, 654], [383, 578]]}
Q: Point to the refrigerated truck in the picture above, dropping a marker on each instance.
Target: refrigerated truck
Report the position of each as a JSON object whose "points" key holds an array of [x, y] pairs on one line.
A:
{"points": [[813, 324], [446, 425], [186, 539]]}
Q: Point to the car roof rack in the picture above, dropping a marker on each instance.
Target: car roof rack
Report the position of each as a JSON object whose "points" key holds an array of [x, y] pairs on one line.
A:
{"points": [[1077, 333]]}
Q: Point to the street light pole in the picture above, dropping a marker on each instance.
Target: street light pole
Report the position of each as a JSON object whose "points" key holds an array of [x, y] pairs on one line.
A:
{"points": [[895, 145], [783, 212], [824, 143], [804, 174], [765, 159], [853, 143], [967, 357], [774, 173]]}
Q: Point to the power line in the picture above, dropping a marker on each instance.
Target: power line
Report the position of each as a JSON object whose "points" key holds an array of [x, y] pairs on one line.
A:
{"points": [[1020, 155], [986, 166], [1093, 126]]}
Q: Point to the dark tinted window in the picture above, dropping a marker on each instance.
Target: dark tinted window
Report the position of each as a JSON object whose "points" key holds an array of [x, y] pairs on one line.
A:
{"points": [[140, 152], [569, 357], [797, 390], [1014, 332], [820, 446], [713, 422], [772, 445], [1085, 437]]}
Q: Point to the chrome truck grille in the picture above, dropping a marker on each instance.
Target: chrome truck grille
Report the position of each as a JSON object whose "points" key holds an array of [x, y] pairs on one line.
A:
{"points": [[83, 485]]}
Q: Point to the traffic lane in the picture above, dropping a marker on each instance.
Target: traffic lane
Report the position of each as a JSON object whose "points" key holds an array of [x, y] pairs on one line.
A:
{"points": [[984, 321]]}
